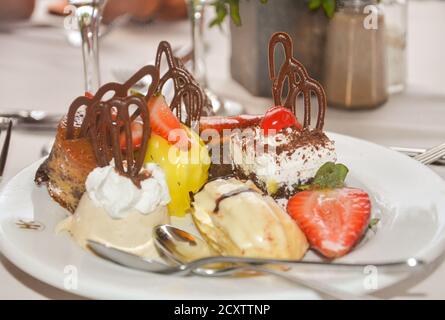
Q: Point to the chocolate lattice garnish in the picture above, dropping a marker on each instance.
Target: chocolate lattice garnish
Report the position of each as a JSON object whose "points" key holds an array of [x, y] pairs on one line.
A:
{"points": [[187, 91], [117, 90], [110, 121], [298, 81], [106, 120]]}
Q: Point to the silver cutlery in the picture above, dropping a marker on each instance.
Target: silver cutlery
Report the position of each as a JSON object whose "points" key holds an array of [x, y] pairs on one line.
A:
{"points": [[5, 148], [195, 267], [171, 242], [31, 119], [412, 152], [179, 244], [431, 155]]}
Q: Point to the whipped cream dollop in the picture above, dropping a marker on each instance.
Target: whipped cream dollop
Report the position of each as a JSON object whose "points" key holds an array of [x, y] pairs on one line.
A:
{"points": [[118, 195]]}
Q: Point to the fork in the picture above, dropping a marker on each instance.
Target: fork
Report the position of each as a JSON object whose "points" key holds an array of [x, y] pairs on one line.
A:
{"points": [[432, 154], [5, 148]]}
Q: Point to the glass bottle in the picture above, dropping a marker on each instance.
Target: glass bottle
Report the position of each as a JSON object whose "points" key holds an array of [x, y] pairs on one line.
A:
{"points": [[355, 59]]}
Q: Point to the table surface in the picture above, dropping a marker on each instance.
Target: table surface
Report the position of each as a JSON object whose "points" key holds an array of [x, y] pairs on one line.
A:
{"points": [[40, 70]]}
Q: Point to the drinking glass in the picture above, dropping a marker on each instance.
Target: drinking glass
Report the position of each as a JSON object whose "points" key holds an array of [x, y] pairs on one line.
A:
{"points": [[221, 106], [88, 14], [396, 34]]}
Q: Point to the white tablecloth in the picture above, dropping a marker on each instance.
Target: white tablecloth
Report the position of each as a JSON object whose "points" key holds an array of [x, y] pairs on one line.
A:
{"points": [[39, 70]]}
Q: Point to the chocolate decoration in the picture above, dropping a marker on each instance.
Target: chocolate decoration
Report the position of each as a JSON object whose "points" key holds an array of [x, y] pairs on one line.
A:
{"points": [[106, 121], [118, 90], [298, 81], [231, 194], [187, 91]]}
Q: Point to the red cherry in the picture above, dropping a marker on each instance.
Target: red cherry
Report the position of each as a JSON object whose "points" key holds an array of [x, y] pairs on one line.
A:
{"points": [[277, 118]]}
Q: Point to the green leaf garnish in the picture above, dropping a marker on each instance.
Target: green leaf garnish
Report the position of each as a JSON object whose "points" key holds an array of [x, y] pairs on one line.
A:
{"points": [[373, 222], [329, 176]]}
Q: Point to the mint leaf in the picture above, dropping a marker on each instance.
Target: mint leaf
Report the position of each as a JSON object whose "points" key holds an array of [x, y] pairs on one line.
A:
{"points": [[330, 176], [373, 222], [304, 187]]}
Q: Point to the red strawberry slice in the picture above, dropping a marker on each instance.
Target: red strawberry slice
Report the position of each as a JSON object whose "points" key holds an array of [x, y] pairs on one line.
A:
{"points": [[165, 124], [220, 123], [277, 118], [89, 95], [137, 130], [333, 220]]}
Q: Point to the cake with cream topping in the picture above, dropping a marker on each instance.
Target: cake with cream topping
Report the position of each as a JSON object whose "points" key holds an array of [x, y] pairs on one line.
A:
{"points": [[279, 163], [281, 154]]}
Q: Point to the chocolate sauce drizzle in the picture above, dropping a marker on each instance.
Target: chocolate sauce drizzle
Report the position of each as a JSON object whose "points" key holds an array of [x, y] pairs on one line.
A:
{"points": [[229, 195], [298, 81], [187, 91]]}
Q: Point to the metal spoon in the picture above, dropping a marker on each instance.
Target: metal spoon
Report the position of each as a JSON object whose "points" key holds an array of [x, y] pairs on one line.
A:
{"points": [[151, 265], [181, 247], [154, 266]]}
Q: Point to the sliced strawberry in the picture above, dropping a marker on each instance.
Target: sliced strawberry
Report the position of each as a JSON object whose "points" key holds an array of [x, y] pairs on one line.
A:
{"points": [[89, 95], [219, 123], [277, 118], [163, 122], [137, 130], [333, 220]]}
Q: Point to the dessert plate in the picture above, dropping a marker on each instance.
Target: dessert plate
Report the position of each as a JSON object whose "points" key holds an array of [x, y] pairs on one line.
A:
{"points": [[408, 198]]}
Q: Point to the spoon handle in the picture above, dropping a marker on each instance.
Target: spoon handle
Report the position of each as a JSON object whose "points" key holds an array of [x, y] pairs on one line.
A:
{"points": [[320, 287], [402, 265]]}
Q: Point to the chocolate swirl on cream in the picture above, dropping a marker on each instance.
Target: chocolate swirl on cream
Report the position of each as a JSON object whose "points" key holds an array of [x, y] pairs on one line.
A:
{"points": [[187, 91], [298, 81], [231, 194]]}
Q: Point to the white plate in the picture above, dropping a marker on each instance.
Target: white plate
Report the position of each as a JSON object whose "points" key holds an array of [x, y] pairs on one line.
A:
{"points": [[409, 198]]}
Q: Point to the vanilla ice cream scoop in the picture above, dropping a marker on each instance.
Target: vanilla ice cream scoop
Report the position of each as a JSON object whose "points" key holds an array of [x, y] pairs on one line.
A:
{"points": [[237, 219], [118, 214]]}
